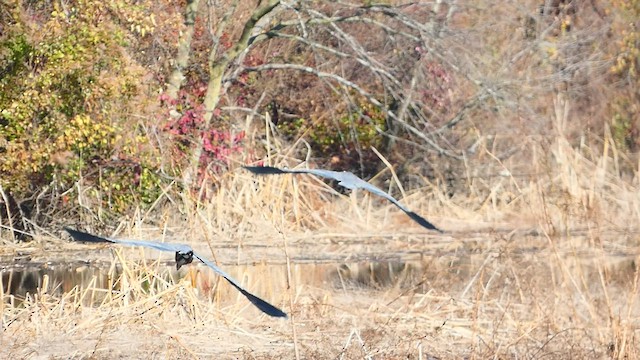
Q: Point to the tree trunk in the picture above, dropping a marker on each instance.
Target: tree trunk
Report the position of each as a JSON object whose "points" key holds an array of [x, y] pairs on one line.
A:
{"points": [[184, 49], [217, 67]]}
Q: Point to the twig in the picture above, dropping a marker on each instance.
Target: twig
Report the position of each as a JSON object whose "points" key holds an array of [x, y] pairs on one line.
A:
{"points": [[362, 92]]}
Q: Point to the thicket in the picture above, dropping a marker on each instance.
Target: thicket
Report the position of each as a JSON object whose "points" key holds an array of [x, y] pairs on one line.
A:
{"points": [[69, 92]]}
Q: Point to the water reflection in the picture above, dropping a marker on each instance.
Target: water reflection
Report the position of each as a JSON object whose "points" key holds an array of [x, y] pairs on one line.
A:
{"points": [[59, 279], [445, 273], [63, 278], [377, 274]]}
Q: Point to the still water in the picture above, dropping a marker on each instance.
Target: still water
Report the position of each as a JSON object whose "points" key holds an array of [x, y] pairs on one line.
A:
{"points": [[20, 281]]}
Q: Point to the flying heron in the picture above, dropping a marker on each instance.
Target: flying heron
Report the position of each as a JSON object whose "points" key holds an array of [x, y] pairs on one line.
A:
{"points": [[347, 180], [184, 255]]}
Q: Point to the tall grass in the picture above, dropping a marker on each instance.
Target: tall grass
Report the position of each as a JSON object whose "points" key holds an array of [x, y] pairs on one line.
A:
{"points": [[541, 267]]}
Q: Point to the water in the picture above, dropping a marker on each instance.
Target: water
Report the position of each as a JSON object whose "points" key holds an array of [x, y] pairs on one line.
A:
{"points": [[450, 273], [63, 278]]}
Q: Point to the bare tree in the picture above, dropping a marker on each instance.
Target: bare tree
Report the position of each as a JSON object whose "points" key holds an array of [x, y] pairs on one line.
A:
{"points": [[184, 49], [416, 64], [379, 53], [218, 65]]}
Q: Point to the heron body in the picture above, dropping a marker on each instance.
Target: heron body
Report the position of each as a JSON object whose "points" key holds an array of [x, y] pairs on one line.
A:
{"points": [[347, 180], [184, 255], [183, 259]]}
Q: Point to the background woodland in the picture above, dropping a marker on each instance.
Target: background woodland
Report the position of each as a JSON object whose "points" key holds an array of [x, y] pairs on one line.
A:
{"points": [[108, 108]]}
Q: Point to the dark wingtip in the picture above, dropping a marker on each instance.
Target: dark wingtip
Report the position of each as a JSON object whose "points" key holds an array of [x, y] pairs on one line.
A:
{"points": [[264, 170], [264, 306], [85, 237], [422, 221]]}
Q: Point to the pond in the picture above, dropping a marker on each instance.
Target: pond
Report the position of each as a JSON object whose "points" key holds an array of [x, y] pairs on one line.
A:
{"points": [[20, 281]]}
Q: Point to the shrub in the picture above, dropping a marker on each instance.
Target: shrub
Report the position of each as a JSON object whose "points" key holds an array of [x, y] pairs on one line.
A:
{"points": [[65, 94]]}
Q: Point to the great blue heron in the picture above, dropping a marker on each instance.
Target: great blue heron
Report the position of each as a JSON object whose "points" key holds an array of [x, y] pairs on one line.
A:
{"points": [[347, 180], [184, 255]]}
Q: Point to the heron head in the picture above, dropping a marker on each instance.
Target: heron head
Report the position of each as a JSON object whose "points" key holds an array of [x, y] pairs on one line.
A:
{"points": [[183, 258]]}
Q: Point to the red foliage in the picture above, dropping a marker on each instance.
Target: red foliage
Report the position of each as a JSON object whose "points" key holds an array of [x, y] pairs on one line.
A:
{"points": [[218, 144]]}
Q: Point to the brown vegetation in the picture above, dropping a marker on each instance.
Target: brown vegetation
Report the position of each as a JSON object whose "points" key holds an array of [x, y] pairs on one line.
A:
{"points": [[512, 125]]}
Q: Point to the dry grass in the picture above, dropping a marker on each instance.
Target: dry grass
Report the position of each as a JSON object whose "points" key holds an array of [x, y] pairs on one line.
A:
{"points": [[539, 268], [540, 258], [489, 295]]}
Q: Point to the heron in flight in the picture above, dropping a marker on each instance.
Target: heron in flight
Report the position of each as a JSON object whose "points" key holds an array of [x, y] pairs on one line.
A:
{"points": [[347, 180], [184, 256]]}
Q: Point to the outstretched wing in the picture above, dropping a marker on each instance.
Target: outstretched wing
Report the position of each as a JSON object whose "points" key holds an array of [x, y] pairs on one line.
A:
{"points": [[259, 303], [86, 237], [180, 248], [266, 170], [349, 181], [270, 170], [417, 218]]}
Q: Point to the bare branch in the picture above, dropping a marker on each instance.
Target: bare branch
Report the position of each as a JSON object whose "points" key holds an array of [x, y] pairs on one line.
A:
{"points": [[362, 92]]}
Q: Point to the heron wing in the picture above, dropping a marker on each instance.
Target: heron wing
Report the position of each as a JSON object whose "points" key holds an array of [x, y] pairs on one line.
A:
{"points": [[415, 217], [271, 170], [329, 174], [181, 248], [86, 237], [265, 170], [347, 180], [259, 303], [377, 191]]}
